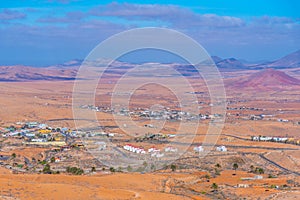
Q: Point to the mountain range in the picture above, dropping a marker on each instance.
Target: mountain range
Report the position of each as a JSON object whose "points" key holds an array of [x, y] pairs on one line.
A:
{"points": [[68, 70]]}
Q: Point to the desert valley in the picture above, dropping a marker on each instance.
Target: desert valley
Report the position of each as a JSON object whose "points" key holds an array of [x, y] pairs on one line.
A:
{"points": [[257, 155]]}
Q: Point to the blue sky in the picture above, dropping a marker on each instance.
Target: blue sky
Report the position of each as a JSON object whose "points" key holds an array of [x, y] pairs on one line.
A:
{"points": [[46, 32]]}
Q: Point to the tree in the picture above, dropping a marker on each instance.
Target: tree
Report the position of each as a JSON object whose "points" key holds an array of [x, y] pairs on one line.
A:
{"points": [[74, 170], [173, 167], [217, 172], [129, 168], [93, 169], [119, 169], [153, 167], [214, 186], [252, 168], [13, 155], [218, 165], [261, 171], [145, 164], [111, 169], [52, 160], [47, 169], [235, 166]]}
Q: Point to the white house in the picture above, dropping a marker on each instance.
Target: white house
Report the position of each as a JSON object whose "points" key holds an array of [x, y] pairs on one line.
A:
{"points": [[101, 145], [157, 154], [221, 148], [198, 149], [258, 177], [29, 134], [170, 149], [42, 126], [153, 149]]}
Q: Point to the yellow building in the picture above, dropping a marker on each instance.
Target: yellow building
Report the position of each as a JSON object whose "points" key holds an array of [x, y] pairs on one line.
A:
{"points": [[44, 131]]}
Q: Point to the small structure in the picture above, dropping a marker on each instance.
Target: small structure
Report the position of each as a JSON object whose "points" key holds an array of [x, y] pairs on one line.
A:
{"points": [[42, 126], [221, 148], [258, 177], [171, 149], [110, 134], [32, 124], [153, 150], [149, 125], [101, 145], [198, 149], [157, 154], [242, 185]]}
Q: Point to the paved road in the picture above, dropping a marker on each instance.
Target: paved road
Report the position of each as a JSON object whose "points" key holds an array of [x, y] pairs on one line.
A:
{"points": [[277, 165]]}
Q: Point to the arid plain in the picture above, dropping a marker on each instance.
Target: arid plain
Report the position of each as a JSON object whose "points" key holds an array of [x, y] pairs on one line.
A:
{"points": [[274, 94]]}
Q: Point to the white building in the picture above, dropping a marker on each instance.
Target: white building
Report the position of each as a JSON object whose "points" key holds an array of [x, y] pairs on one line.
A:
{"points": [[171, 149], [221, 148], [101, 145], [198, 149]]}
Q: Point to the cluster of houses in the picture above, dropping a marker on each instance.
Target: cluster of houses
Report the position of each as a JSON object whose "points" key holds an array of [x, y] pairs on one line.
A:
{"points": [[134, 149], [34, 132], [199, 149], [269, 138], [153, 152], [245, 108], [164, 113], [276, 139]]}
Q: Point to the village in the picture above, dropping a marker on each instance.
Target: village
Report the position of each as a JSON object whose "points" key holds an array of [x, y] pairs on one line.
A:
{"points": [[60, 143], [166, 113]]}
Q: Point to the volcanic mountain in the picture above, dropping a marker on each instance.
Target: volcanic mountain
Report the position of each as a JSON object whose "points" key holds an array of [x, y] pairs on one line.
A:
{"points": [[289, 61], [268, 78]]}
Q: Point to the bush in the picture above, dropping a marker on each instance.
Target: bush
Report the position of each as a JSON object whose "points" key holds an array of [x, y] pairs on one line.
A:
{"points": [[111, 169], [74, 170], [47, 169], [93, 169], [129, 168], [13, 155], [271, 176], [43, 162], [173, 167], [259, 170], [214, 186]]}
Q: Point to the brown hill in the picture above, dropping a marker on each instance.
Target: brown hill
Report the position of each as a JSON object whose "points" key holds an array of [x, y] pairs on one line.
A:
{"points": [[268, 78], [25, 73]]}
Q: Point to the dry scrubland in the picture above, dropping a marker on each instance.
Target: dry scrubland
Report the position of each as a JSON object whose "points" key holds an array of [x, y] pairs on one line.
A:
{"points": [[51, 103]]}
